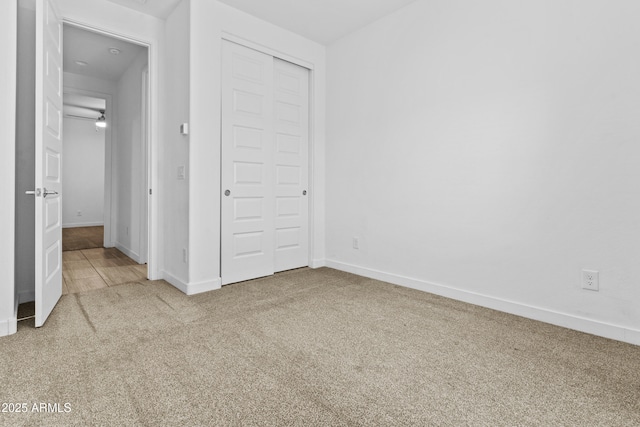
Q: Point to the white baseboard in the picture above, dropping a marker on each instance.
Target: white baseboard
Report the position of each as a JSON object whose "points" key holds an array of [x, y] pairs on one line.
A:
{"points": [[317, 263], [10, 326], [83, 224], [193, 288], [128, 252], [606, 330]]}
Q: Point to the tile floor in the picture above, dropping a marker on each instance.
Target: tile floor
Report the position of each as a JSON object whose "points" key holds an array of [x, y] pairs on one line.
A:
{"points": [[77, 238], [86, 265], [89, 269]]}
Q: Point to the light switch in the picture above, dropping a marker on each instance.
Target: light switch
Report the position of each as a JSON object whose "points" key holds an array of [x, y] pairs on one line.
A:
{"points": [[184, 129]]}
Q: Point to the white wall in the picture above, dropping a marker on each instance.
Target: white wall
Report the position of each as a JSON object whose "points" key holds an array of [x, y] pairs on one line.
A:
{"points": [[176, 93], [8, 49], [83, 173], [128, 165], [92, 84], [489, 151], [209, 20]]}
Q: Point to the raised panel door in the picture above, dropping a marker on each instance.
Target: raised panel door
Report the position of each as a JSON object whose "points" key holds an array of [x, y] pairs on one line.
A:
{"points": [[247, 216]]}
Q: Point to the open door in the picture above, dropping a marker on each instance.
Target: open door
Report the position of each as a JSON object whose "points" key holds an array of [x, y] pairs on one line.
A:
{"points": [[48, 160]]}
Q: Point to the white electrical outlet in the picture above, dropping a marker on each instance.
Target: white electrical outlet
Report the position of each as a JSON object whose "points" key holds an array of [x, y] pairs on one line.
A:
{"points": [[590, 280], [79, 213], [356, 243], [184, 255], [127, 230]]}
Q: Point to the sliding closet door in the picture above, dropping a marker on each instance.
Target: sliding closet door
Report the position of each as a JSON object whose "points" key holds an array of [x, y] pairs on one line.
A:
{"points": [[265, 165], [291, 121], [248, 202]]}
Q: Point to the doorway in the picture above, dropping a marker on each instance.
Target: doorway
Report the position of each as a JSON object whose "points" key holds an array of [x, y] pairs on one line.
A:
{"points": [[106, 150], [89, 264], [84, 223], [40, 40]]}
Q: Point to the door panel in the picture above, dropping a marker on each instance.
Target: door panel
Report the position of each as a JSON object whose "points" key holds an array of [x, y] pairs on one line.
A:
{"points": [[247, 215], [291, 121], [48, 286]]}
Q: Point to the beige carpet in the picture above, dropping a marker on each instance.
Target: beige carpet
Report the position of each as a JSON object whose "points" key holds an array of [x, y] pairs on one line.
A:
{"points": [[309, 347]]}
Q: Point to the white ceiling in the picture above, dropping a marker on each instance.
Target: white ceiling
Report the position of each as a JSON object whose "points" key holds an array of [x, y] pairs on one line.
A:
{"points": [[158, 8], [323, 21], [93, 48]]}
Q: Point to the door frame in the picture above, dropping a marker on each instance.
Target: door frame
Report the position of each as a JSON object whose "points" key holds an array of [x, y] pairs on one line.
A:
{"points": [[151, 133], [110, 111], [312, 124], [146, 169]]}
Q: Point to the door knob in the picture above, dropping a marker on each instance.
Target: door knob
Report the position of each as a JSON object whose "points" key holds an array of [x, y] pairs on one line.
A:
{"points": [[46, 192], [304, 192], [35, 192], [227, 192]]}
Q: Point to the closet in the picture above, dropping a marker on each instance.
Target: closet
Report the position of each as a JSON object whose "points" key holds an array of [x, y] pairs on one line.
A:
{"points": [[264, 164]]}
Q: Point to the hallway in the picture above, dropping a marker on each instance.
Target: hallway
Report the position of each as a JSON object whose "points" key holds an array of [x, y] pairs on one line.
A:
{"points": [[89, 266], [91, 269]]}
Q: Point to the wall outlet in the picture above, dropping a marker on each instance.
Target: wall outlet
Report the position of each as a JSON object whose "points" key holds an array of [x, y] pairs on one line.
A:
{"points": [[127, 230], [181, 173], [79, 213], [184, 255], [590, 280], [356, 243]]}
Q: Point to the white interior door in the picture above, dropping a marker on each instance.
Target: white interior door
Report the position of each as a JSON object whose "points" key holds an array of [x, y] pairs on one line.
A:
{"points": [[291, 121], [247, 211], [48, 286]]}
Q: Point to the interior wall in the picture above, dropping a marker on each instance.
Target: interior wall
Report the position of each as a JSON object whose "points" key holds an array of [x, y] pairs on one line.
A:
{"points": [[489, 151], [83, 173], [176, 93], [208, 22], [8, 50], [25, 154], [128, 188], [85, 83]]}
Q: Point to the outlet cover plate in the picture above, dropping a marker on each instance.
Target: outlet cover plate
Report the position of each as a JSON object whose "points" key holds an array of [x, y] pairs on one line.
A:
{"points": [[590, 280]]}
